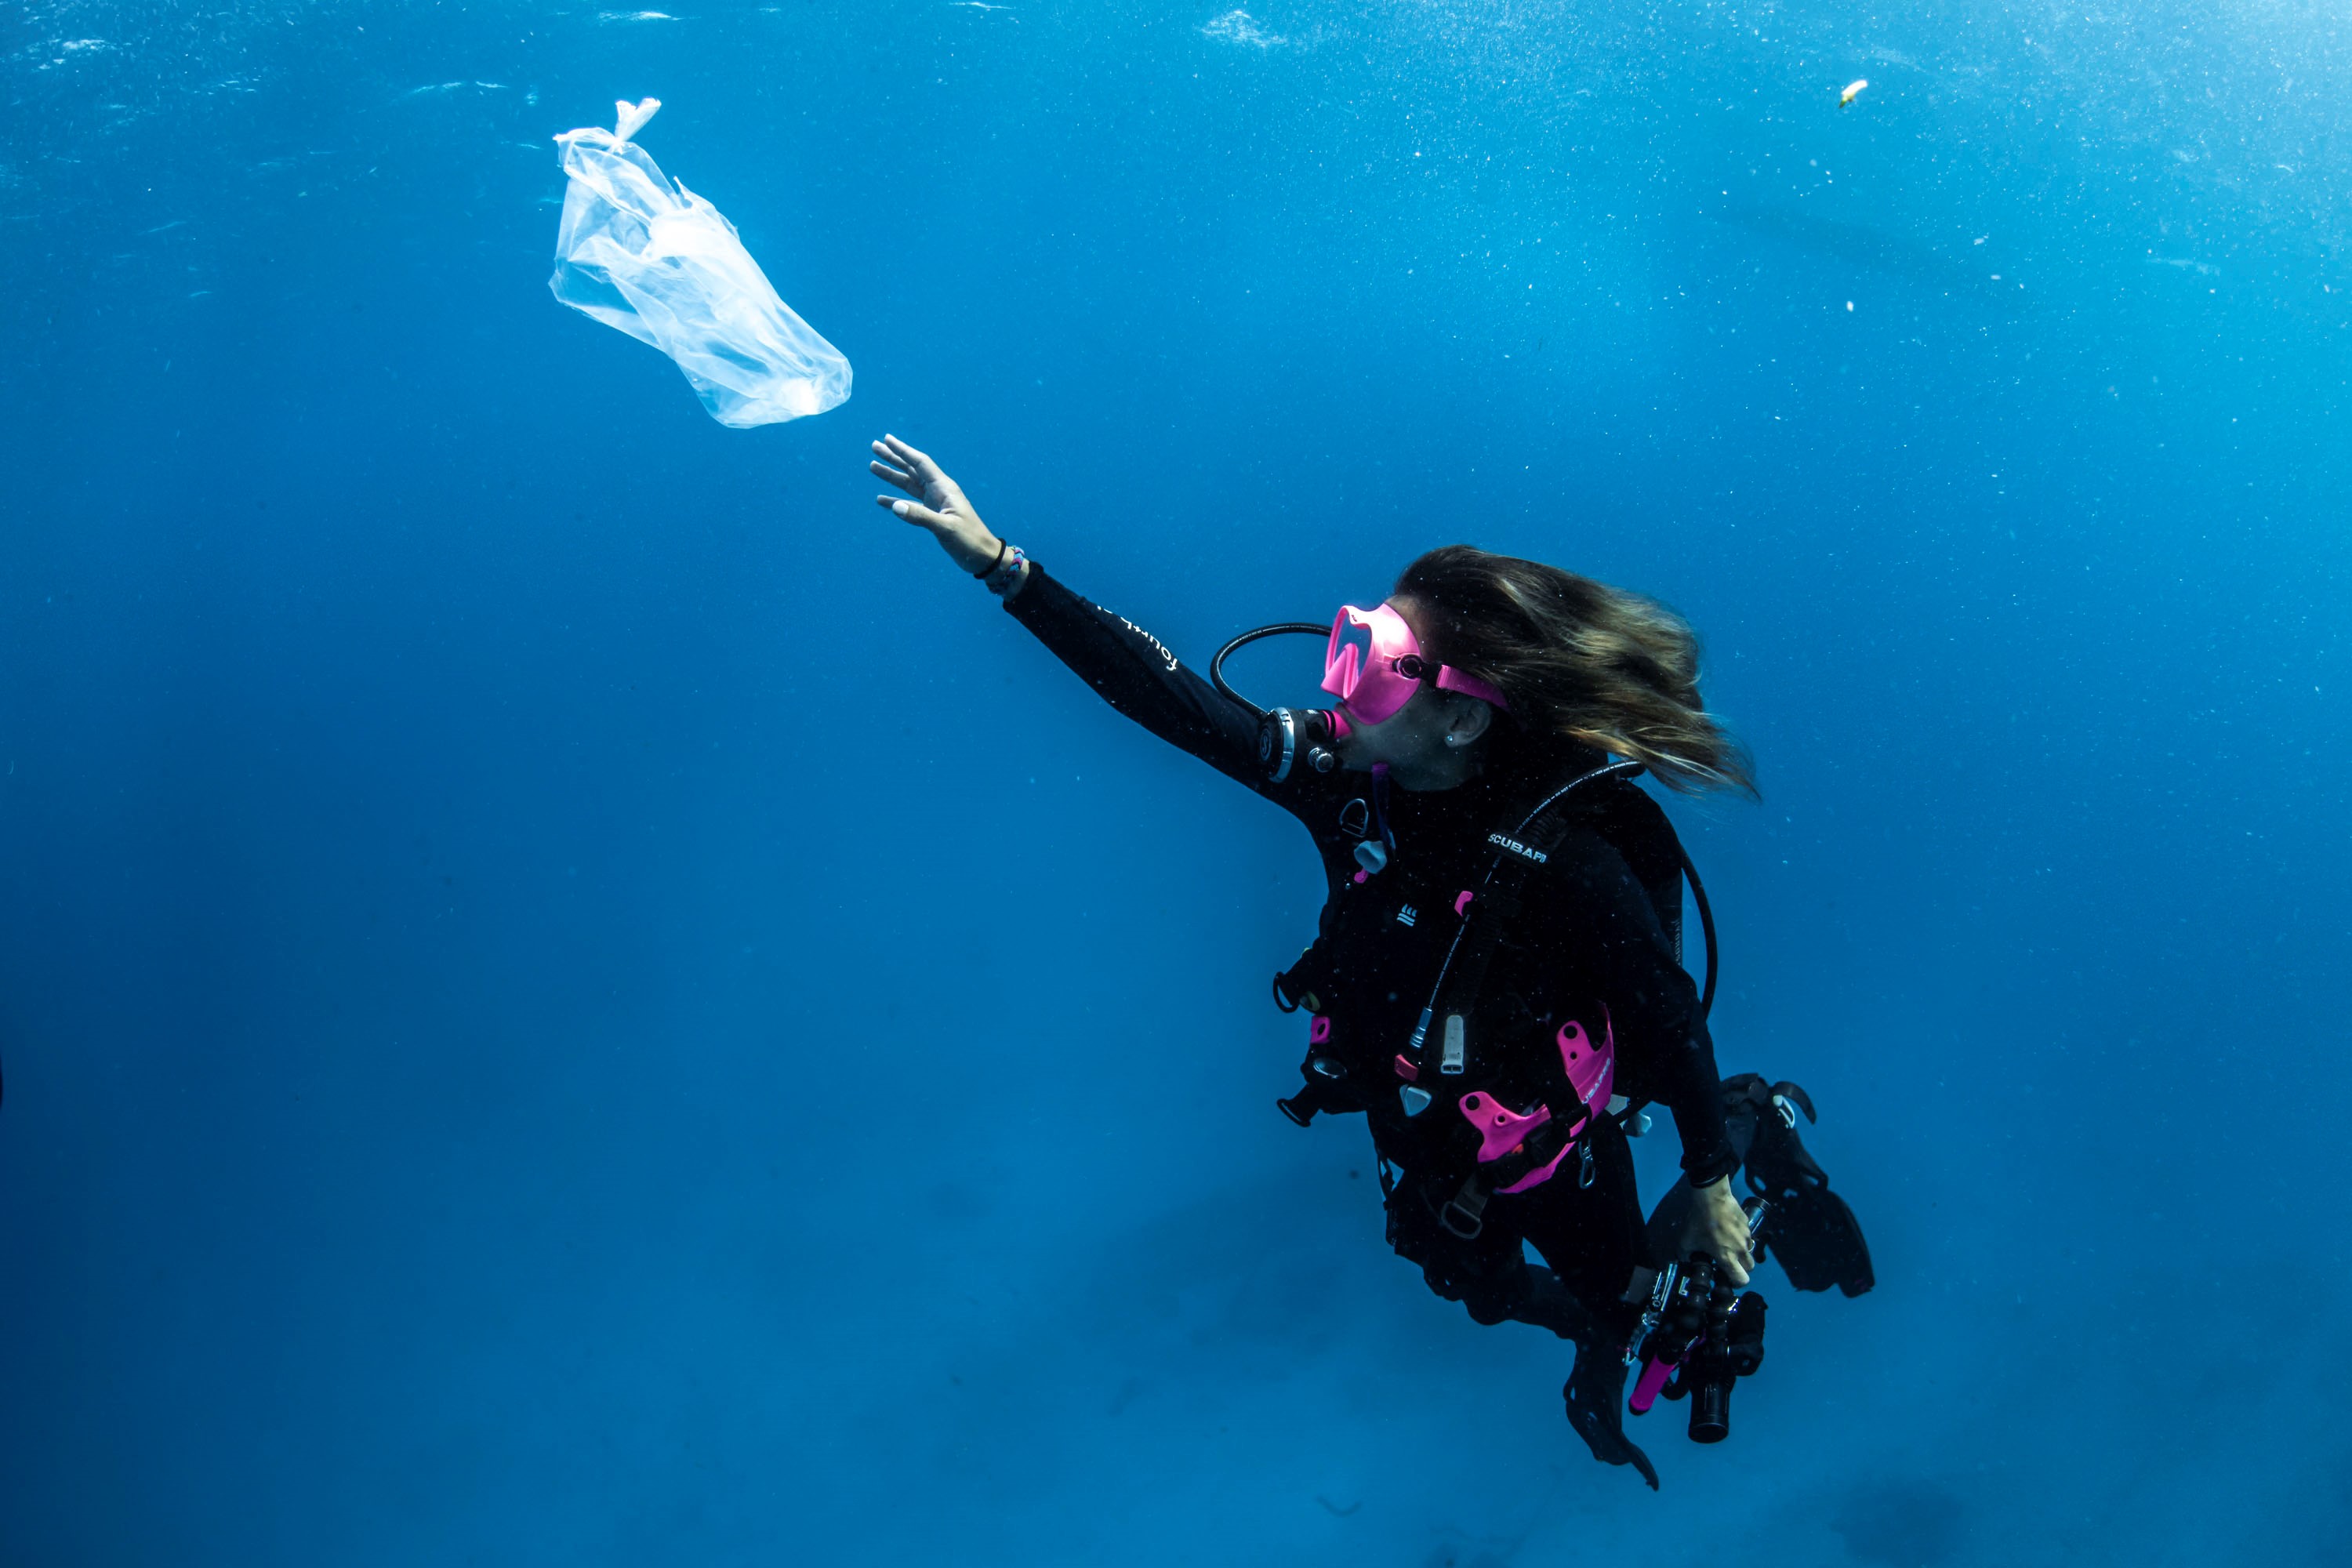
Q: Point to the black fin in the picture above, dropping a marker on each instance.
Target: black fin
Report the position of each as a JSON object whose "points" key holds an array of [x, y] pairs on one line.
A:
{"points": [[1595, 1392], [1820, 1244], [1810, 1228]]}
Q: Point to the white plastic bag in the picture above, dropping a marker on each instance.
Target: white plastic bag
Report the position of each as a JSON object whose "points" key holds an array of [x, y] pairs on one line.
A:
{"points": [[641, 253]]}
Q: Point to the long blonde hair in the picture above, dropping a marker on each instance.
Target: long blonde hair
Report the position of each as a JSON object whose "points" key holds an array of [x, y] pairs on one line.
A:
{"points": [[1583, 664]]}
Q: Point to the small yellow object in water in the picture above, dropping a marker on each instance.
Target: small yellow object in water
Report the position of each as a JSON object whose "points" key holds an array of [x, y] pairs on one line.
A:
{"points": [[1853, 90]]}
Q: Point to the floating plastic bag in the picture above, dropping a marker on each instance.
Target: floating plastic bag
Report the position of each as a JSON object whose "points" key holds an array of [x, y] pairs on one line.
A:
{"points": [[642, 253]]}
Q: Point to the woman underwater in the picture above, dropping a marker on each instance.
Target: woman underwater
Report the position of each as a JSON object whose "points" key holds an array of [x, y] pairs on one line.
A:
{"points": [[1469, 759]]}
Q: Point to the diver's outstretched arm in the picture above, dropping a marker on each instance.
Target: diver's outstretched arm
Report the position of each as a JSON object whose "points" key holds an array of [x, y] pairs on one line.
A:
{"points": [[939, 506], [1132, 669]]}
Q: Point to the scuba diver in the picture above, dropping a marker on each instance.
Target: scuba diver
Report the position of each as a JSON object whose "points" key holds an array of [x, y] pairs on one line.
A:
{"points": [[1497, 982]]}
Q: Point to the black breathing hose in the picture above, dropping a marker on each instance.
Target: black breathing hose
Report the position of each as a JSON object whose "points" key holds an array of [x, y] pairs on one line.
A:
{"points": [[1217, 664], [1706, 924]]}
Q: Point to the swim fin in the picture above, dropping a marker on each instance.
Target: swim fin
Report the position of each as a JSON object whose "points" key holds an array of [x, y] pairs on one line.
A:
{"points": [[1810, 1228], [1595, 1392]]}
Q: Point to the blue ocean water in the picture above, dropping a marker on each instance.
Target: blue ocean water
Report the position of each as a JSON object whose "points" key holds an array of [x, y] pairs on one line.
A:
{"points": [[571, 993]]}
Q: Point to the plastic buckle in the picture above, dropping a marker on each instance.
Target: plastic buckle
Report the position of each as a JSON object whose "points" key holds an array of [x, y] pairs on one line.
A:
{"points": [[1475, 1216], [1584, 1163]]}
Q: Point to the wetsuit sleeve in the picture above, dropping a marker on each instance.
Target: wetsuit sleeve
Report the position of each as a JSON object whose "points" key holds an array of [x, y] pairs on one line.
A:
{"points": [[1663, 1051], [1135, 673]]}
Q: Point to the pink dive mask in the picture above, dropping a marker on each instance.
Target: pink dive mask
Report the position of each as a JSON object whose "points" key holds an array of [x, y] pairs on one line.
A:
{"points": [[1373, 665]]}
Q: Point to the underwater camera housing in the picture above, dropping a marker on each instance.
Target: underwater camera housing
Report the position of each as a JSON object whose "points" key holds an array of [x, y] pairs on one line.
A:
{"points": [[1287, 737], [1706, 1334], [1702, 1332]]}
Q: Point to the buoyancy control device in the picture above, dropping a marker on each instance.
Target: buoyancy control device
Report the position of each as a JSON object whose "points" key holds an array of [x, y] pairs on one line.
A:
{"points": [[1446, 1067]]}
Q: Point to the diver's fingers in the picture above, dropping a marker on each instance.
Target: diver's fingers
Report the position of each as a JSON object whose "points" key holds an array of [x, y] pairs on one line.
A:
{"points": [[916, 475], [911, 511], [898, 453], [918, 462]]}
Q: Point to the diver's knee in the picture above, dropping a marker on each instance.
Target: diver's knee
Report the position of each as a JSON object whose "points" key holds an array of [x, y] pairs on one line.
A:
{"points": [[1486, 1310], [1485, 1304]]}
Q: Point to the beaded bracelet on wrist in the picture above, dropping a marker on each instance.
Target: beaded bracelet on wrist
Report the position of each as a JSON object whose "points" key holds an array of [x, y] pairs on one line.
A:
{"points": [[1006, 572]]}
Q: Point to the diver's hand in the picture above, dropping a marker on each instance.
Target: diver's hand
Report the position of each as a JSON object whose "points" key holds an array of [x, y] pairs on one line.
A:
{"points": [[939, 505], [1718, 1227]]}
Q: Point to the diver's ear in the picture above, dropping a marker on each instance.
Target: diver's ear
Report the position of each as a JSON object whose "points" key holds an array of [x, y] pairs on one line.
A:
{"points": [[1468, 721]]}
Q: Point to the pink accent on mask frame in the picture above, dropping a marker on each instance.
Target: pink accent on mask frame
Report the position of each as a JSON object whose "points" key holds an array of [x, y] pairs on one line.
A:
{"points": [[1360, 665]]}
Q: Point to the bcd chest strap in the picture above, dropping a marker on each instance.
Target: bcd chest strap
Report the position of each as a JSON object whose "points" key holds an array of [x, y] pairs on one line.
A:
{"points": [[1465, 1213]]}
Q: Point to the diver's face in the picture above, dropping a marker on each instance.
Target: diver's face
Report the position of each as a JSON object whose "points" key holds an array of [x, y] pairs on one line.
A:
{"points": [[1411, 741], [1431, 743]]}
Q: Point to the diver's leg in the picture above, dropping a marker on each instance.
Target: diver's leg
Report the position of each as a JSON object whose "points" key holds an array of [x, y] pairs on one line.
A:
{"points": [[1550, 1304], [1592, 1238]]}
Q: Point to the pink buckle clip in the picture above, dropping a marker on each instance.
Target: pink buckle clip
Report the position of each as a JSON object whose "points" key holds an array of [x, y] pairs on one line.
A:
{"points": [[1405, 1069], [1500, 1129], [1537, 1178], [1591, 1066]]}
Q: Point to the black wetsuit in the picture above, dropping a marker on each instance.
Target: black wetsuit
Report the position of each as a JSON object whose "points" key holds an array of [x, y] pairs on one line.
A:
{"points": [[1588, 943]]}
